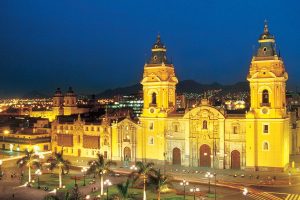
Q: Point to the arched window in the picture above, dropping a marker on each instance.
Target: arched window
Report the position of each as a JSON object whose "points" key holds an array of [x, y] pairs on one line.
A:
{"points": [[265, 96], [266, 146], [154, 98], [204, 124]]}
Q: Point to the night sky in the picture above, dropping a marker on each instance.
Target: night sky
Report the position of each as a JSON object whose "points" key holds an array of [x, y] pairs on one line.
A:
{"points": [[95, 45]]}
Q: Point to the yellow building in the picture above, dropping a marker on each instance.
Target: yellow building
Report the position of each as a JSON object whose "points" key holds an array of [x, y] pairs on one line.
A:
{"points": [[62, 105], [207, 136], [204, 135], [36, 137], [267, 132], [81, 138]]}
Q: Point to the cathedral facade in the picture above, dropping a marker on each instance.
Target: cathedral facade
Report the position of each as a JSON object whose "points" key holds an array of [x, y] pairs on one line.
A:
{"points": [[207, 136], [202, 136]]}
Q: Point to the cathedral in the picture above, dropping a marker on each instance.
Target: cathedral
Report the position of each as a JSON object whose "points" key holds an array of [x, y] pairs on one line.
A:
{"points": [[202, 136]]}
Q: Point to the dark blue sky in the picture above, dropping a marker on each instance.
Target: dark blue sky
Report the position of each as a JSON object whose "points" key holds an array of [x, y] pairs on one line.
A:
{"points": [[94, 45]]}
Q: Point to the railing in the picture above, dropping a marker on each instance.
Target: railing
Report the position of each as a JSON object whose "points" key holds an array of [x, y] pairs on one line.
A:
{"points": [[25, 140], [265, 104]]}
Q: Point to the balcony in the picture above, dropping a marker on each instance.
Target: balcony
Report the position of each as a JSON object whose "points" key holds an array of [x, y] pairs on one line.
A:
{"points": [[265, 104], [126, 140]]}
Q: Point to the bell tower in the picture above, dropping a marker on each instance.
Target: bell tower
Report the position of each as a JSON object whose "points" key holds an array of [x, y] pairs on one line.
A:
{"points": [[267, 131], [58, 101], [159, 82]]}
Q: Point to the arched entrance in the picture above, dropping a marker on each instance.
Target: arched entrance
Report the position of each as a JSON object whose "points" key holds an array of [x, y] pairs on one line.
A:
{"points": [[235, 159], [205, 160], [127, 153], [176, 156]]}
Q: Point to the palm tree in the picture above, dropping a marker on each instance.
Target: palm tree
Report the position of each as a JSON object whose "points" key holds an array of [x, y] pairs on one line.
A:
{"points": [[30, 159], [100, 167], [58, 161], [123, 189], [144, 170], [158, 180]]}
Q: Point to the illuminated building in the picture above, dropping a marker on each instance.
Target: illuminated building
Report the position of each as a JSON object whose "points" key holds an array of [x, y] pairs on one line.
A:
{"points": [[209, 136], [205, 135], [127, 101], [33, 134], [81, 137], [62, 105]]}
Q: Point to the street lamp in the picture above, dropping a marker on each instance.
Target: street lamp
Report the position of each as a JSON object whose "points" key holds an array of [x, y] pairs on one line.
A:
{"points": [[290, 174], [84, 170], [108, 183], [38, 172], [194, 190], [133, 167], [209, 176], [184, 183], [245, 192]]}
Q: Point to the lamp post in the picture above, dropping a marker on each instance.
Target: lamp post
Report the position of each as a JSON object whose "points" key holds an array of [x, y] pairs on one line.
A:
{"points": [[290, 174], [184, 183], [83, 170], [107, 183], [215, 175], [1, 162], [209, 176], [245, 192], [38, 172], [194, 190]]}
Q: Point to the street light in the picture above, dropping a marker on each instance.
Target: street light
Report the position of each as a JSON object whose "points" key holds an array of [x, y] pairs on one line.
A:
{"points": [[194, 190], [133, 167], [245, 192], [184, 183], [290, 174], [84, 170], [38, 172], [108, 183], [209, 176]]}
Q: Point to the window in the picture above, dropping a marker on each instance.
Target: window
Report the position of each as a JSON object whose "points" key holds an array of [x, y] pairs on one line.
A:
{"points": [[235, 130], [204, 124], [265, 96], [105, 154], [175, 128], [151, 140], [265, 49], [105, 141], [86, 128], [154, 98], [92, 128], [266, 128], [151, 126], [265, 146], [78, 138], [71, 128], [98, 129]]}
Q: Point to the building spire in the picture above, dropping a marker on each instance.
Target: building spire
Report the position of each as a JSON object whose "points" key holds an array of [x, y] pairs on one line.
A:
{"points": [[266, 29], [158, 38]]}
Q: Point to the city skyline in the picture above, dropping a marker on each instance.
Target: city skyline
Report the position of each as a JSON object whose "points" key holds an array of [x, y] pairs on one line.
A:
{"points": [[50, 45]]}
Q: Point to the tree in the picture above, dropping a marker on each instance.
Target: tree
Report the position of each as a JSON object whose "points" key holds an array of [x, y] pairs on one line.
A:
{"points": [[143, 171], [123, 189], [100, 167], [30, 159], [63, 165], [158, 181], [75, 194]]}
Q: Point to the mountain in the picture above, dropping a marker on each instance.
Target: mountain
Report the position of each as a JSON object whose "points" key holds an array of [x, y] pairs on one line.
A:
{"points": [[34, 94], [186, 86]]}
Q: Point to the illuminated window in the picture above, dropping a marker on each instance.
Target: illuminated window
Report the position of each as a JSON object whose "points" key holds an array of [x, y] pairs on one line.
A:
{"points": [[98, 128], [86, 128], [265, 96], [266, 128], [92, 128], [265, 146], [105, 141], [78, 139], [71, 127], [204, 124]]}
